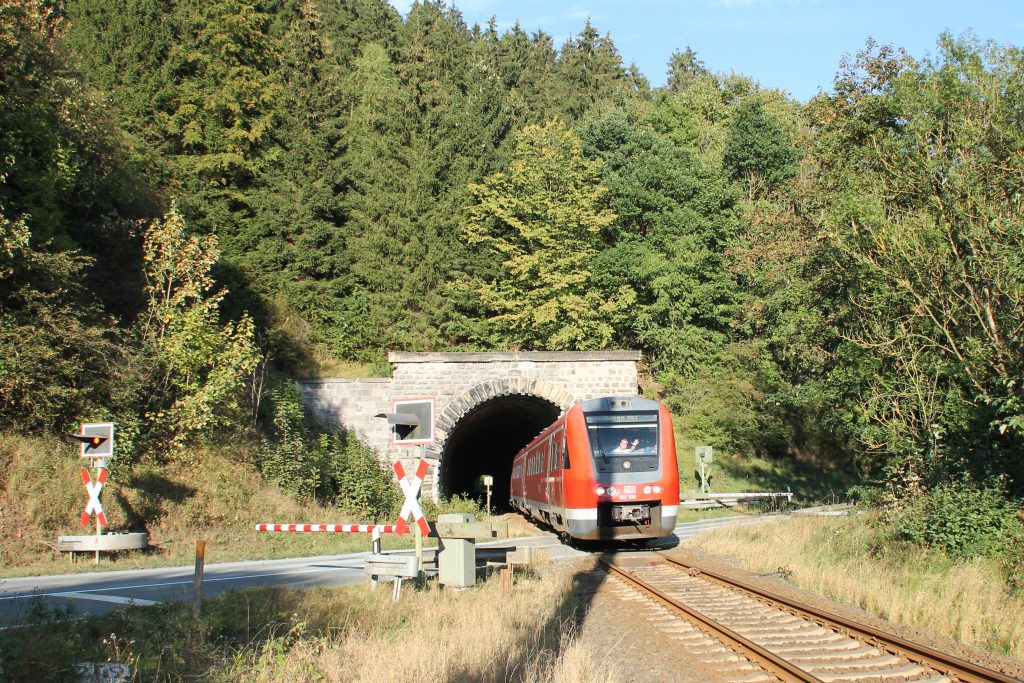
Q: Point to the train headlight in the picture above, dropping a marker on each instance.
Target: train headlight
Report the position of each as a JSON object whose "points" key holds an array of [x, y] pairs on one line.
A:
{"points": [[612, 491], [599, 490], [647, 490], [657, 489]]}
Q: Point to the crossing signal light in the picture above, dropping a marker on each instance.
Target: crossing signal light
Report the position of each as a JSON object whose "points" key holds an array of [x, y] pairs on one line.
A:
{"points": [[96, 440], [91, 442]]}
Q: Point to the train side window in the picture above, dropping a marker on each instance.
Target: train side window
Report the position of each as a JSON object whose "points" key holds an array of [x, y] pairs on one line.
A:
{"points": [[564, 451]]}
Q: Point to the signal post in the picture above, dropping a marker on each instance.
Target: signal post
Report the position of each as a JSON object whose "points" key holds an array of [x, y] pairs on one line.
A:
{"points": [[97, 446]]}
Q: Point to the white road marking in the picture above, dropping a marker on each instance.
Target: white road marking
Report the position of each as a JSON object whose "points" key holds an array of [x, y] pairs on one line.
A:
{"points": [[206, 579], [105, 598]]}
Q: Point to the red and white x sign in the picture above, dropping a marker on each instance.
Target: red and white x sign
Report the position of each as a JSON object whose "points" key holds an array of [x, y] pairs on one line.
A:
{"points": [[411, 507], [94, 498]]}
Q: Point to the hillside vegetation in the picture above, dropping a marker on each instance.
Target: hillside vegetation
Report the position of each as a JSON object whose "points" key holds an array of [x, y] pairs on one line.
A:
{"points": [[199, 200], [217, 494]]}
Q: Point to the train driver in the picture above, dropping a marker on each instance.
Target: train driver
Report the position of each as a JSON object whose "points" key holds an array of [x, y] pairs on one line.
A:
{"points": [[625, 446]]}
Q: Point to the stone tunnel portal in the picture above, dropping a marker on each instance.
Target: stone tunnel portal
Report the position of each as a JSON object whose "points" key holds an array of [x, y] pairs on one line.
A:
{"points": [[486, 440]]}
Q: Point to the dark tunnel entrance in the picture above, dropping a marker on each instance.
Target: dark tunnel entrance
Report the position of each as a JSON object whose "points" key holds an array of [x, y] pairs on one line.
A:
{"points": [[486, 440]]}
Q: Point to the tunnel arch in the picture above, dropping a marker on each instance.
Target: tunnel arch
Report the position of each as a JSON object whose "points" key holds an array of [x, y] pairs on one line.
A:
{"points": [[482, 436]]}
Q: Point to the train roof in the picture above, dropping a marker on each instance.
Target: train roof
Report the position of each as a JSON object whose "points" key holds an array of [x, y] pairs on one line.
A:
{"points": [[614, 403]]}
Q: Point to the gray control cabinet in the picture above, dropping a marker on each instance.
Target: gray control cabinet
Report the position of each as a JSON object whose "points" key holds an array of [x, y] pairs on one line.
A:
{"points": [[456, 557]]}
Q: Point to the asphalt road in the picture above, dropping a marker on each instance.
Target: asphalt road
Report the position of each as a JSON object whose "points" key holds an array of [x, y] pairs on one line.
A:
{"points": [[100, 592]]}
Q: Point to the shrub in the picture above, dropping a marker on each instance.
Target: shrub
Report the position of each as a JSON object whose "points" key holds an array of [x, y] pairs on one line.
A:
{"points": [[963, 520], [457, 504], [333, 467]]}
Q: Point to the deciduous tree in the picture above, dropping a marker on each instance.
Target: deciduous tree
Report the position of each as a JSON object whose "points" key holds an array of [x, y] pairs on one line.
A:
{"points": [[542, 220]]}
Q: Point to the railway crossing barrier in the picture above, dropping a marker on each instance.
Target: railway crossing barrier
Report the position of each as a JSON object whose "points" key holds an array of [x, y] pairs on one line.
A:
{"points": [[457, 534], [706, 501], [374, 529], [411, 511]]}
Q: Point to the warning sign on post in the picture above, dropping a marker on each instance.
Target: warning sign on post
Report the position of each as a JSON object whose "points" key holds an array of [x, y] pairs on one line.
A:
{"points": [[97, 440], [413, 420]]}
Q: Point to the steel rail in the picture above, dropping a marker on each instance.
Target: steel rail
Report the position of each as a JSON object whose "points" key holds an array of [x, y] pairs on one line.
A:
{"points": [[772, 663], [961, 669]]}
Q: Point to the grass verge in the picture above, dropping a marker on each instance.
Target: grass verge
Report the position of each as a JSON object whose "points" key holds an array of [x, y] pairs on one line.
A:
{"points": [[968, 600], [217, 495], [347, 634]]}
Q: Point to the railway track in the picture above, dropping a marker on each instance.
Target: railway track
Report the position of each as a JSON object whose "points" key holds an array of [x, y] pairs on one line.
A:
{"points": [[748, 635]]}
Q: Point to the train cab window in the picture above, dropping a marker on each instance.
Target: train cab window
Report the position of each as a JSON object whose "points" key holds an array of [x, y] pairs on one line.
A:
{"points": [[620, 437]]}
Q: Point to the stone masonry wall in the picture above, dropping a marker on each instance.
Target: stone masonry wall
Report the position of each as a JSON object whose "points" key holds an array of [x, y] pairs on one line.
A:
{"points": [[461, 381], [351, 403]]}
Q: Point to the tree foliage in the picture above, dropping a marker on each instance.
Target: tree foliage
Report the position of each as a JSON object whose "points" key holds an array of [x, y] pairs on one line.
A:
{"points": [[202, 364], [834, 280], [543, 220], [923, 159]]}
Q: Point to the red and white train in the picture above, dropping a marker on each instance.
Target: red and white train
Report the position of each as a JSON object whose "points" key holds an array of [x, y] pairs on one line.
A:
{"points": [[606, 470]]}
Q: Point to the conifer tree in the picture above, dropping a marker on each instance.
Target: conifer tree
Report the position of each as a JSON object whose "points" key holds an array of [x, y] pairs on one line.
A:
{"points": [[683, 69], [592, 71], [382, 237], [300, 263], [225, 105]]}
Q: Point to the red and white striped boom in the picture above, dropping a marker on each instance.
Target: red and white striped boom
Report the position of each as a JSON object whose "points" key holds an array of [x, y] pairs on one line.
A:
{"points": [[411, 510], [329, 528]]}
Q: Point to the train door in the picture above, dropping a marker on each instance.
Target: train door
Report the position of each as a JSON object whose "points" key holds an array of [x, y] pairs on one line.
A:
{"points": [[542, 472], [539, 487], [555, 478]]}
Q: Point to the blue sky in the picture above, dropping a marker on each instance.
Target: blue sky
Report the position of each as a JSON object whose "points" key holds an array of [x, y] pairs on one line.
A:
{"points": [[793, 45]]}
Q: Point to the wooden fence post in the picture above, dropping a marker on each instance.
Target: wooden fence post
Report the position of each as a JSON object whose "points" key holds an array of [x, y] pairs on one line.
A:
{"points": [[197, 583]]}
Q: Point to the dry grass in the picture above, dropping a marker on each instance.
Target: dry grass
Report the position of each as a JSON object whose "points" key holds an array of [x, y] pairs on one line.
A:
{"points": [[439, 635], [344, 634], [968, 600], [324, 365]]}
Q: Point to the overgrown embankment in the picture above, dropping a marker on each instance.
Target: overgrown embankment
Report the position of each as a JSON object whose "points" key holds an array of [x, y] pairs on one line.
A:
{"points": [[869, 562], [215, 493]]}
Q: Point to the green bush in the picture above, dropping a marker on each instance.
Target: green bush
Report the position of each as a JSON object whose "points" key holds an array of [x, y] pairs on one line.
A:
{"points": [[963, 520], [457, 504], [334, 467]]}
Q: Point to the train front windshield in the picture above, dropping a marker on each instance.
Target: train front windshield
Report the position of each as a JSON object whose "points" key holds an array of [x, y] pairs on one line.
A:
{"points": [[619, 437]]}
